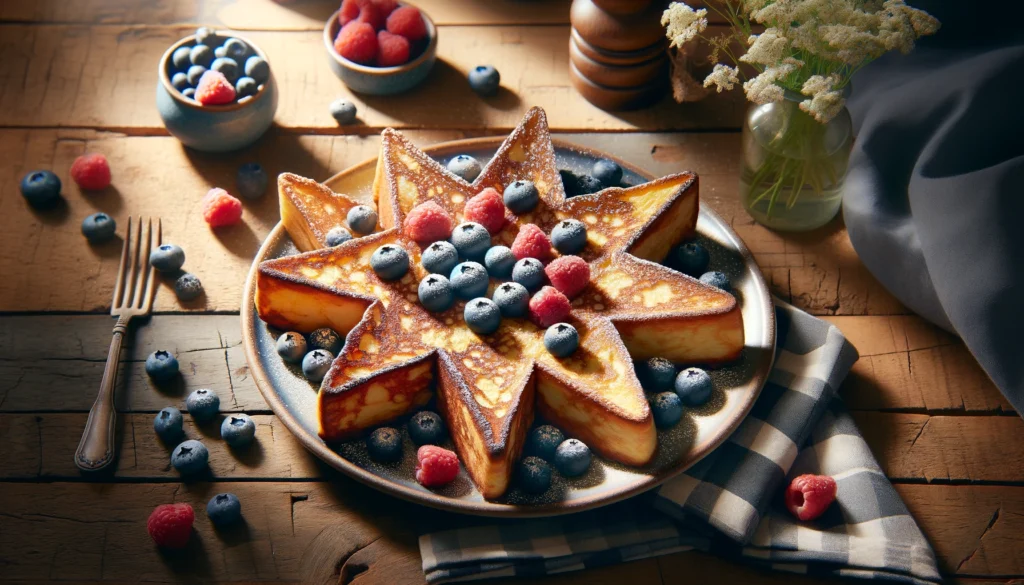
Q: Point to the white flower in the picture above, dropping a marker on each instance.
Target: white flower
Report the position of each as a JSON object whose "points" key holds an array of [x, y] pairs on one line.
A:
{"points": [[766, 48], [722, 77], [682, 23], [824, 103], [763, 88]]}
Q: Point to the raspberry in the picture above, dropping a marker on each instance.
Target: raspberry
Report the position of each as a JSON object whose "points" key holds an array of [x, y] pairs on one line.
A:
{"points": [[531, 242], [435, 466], [357, 41], [808, 496], [368, 11], [394, 49], [569, 274], [214, 89], [350, 10], [91, 171], [385, 7], [487, 208], [220, 208], [549, 306], [170, 525], [408, 22], [427, 223]]}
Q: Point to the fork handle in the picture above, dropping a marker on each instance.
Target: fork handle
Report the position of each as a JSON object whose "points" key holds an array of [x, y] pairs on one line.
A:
{"points": [[96, 449]]}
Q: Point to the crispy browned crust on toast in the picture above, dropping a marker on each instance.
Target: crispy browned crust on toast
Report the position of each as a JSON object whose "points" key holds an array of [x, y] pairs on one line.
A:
{"points": [[310, 209]]}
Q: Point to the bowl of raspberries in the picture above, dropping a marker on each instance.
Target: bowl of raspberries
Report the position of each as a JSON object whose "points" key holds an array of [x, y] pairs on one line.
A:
{"points": [[216, 91], [380, 47]]}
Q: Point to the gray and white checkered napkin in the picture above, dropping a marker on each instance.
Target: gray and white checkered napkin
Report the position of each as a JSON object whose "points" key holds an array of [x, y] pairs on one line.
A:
{"points": [[729, 503]]}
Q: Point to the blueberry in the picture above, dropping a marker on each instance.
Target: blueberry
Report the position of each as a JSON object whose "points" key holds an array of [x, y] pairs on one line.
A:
{"points": [[291, 346], [440, 258], [657, 374], [465, 166], [168, 424], [689, 258], [187, 287], [469, 280], [427, 428], [343, 112], [189, 92], [326, 339], [257, 68], [484, 79], [236, 49], [521, 196], [220, 51], [315, 364], [499, 261], [694, 386], [362, 219], [561, 339], [224, 509], [245, 87], [542, 442], [40, 188], [716, 279], [436, 293], [385, 445], [572, 458], [194, 73], [201, 55], [529, 272], [472, 240], [161, 365], [227, 66], [237, 430], [667, 409], [482, 316], [337, 236], [167, 258], [534, 475], [251, 179], [390, 262], [608, 172], [203, 404], [208, 37], [180, 58], [570, 182], [587, 184], [180, 81], [569, 236], [98, 227], [190, 457], [512, 299]]}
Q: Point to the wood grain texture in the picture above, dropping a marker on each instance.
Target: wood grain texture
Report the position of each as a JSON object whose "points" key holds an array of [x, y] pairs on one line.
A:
{"points": [[104, 77]]}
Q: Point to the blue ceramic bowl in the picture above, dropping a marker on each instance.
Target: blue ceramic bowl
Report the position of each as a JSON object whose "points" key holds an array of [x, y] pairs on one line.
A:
{"points": [[214, 128], [381, 80]]}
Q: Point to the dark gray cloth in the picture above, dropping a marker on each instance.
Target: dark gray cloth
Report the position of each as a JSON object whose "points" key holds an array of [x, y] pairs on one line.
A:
{"points": [[934, 199]]}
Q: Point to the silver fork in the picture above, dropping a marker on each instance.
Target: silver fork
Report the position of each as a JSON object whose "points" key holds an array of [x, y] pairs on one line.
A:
{"points": [[133, 297]]}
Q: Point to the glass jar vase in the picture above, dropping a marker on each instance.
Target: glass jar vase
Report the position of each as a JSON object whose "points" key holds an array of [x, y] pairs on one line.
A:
{"points": [[793, 167]]}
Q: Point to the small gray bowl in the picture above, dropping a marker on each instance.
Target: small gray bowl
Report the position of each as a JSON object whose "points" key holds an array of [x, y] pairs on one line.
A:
{"points": [[214, 128], [381, 80]]}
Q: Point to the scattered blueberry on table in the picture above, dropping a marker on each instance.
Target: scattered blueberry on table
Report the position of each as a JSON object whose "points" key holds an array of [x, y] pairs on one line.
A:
{"points": [[534, 475], [362, 219], [427, 428], [98, 228], [694, 386], [251, 180], [572, 458], [316, 364], [167, 258], [190, 457], [384, 445], [543, 441], [465, 166], [435, 293], [238, 430], [482, 316], [187, 287], [667, 409], [292, 347], [326, 339], [161, 365], [484, 80], [203, 404], [168, 424], [40, 188], [716, 279], [343, 112], [390, 262], [512, 299], [337, 236], [561, 340], [224, 509]]}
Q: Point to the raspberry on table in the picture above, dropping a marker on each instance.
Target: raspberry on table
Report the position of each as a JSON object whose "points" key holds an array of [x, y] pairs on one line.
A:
{"points": [[392, 50], [214, 89], [486, 208], [170, 525], [569, 274], [427, 223], [220, 208], [808, 496], [549, 306], [531, 242], [408, 22], [91, 171], [435, 466], [357, 41]]}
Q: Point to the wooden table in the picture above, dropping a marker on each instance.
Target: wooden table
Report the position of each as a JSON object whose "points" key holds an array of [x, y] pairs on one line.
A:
{"points": [[79, 75]]}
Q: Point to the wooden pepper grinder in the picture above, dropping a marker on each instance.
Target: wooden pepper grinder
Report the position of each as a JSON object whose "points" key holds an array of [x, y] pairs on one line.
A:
{"points": [[617, 52]]}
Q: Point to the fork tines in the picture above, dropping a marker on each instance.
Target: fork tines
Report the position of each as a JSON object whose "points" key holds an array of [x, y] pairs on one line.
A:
{"points": [[136, 279]]}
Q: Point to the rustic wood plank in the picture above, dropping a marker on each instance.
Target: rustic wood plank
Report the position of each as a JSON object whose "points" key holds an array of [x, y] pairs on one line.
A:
{"points": [[91, 76]]}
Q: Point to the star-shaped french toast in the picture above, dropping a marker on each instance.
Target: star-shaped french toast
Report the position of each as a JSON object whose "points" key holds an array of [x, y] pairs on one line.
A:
{"points": [[397, 354]]}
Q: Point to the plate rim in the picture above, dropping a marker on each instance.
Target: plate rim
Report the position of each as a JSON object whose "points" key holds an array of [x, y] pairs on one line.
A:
{"points": [[318, 447]]}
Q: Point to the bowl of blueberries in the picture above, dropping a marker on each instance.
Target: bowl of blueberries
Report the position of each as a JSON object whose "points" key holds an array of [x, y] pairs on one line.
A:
{"points": [[216, 91], [380, 47]]}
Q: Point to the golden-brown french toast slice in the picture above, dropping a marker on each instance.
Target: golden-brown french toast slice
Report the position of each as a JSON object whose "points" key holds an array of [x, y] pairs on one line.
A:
{"points": [[310, 209]]}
